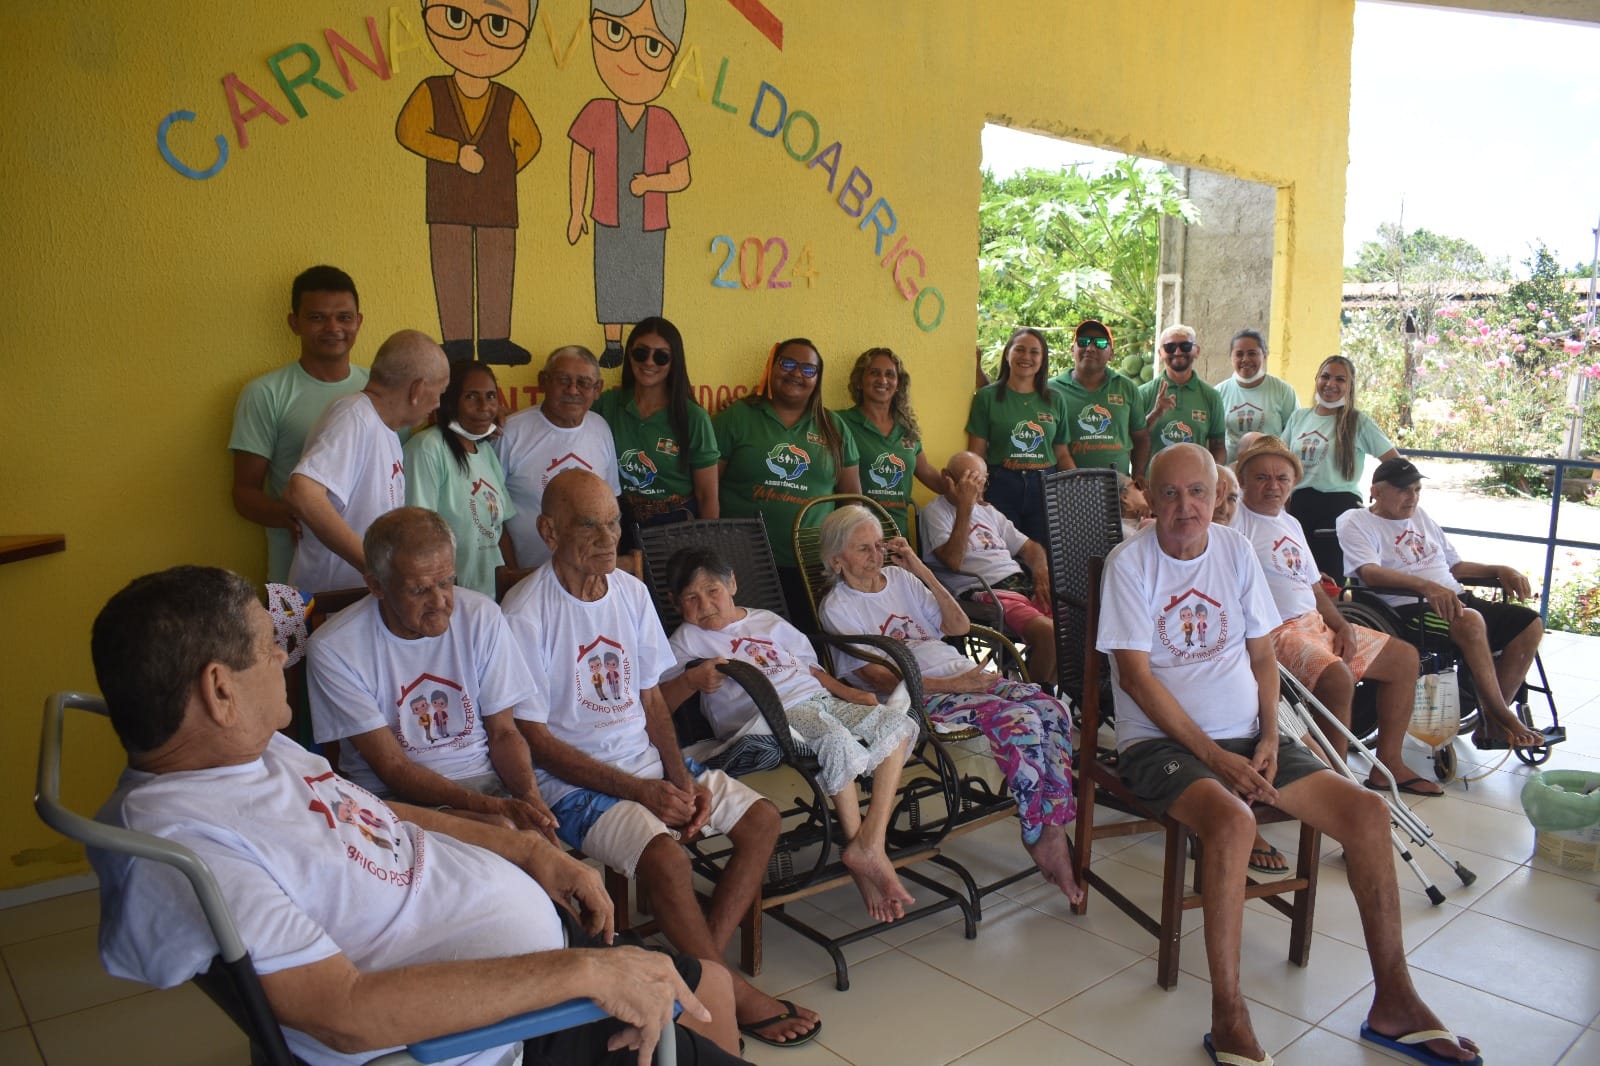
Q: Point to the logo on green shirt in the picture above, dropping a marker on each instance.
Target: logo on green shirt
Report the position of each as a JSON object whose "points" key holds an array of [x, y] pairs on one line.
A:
{"points": [[1094, 419], [637, 471], [1027, 436], [788, 461], [1176, 432], [887, 470]]}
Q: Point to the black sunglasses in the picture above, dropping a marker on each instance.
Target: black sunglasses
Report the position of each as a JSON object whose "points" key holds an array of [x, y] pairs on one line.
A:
{"points": [[658, 356], [1094, 342], [1174, 347]]}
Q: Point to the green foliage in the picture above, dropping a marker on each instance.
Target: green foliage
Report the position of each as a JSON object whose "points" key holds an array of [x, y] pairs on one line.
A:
{"points": [[1056, 247], [1542, 289], [1427, 268], [1573, 601]]}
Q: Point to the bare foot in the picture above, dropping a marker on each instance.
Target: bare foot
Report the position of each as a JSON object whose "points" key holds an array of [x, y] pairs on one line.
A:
{"points": [[1233, 1034], [1505, 724], [752, 1006], [1263, 854], [886, 898], [1398, 1022], [1054, 859], [1406, 779]]}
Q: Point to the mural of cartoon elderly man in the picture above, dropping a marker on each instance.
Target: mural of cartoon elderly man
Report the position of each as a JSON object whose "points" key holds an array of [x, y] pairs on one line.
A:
{"points": [[476, 135], [637, 154]]}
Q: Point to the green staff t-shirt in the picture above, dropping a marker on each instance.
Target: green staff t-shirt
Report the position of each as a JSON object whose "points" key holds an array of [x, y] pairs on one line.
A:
{"points": [[649, 464], [1101, 423], [888, 461], [1022, 429]]}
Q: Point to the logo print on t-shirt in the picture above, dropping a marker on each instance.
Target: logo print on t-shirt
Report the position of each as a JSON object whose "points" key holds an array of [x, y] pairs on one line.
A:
{"points": [[1413, 543], [666, 446], [1193, 627], [1311, 446], [788, 461], [636, 469], [435, 712], [484, 503], [1094, 419], [365, 826], [1288, 557], [1027, 436], [604, 677], [1176, 432], [397, 485], [887, 470], [983, 537], [763, 653], [1246, 415], [903, 627], [560, 463]]}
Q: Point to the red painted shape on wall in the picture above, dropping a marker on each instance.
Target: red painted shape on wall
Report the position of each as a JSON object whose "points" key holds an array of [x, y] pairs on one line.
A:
{"points": [[762, 18]]}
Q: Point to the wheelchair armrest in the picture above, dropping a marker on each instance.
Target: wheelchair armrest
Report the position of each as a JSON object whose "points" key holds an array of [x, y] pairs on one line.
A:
{"points": [[515, 1029]]}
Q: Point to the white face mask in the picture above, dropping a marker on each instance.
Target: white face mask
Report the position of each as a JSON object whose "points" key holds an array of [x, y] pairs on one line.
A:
{"points": [[1250, 381], [455, 427], [1332, 405]]}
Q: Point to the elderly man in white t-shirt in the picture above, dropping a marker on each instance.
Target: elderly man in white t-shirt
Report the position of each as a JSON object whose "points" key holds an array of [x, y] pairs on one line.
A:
{"points": [[352, 469], [370, 925], [1186, 618], [1313, 640], [562, 433], [962, 532], [417, 682], [608, 759], [1395, 544]]}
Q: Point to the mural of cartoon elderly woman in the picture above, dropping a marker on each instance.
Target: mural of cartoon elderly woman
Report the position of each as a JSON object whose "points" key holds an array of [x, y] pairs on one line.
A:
{"points": [[637, 154], [476, 135]]}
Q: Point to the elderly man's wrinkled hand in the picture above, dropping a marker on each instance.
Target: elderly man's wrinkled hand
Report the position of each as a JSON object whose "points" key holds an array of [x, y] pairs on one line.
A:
{"points": [[1242, 777], [639, 988]]}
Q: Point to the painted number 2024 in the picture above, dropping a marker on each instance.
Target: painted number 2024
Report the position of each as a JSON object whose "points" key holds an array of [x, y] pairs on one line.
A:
{"points": [[750, 259]]}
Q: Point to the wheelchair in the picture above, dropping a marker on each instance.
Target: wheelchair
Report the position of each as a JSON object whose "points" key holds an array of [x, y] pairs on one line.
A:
{"points": [[1362, 605]]}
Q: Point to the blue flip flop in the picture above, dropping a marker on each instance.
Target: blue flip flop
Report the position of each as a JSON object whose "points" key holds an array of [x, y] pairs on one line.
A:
{"points": [[1411, 1045]]}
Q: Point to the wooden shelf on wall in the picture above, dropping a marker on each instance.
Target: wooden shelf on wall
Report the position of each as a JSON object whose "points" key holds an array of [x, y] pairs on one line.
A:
{"points": [[16, 547]]}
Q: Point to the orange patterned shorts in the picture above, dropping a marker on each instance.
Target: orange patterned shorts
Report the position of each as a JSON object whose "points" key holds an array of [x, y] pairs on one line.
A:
{"points": [[1304, 645]]}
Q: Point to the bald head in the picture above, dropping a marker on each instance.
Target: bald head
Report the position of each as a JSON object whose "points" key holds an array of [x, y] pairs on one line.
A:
{"points": [[408, 356], [1181, 462], [964, 465]]}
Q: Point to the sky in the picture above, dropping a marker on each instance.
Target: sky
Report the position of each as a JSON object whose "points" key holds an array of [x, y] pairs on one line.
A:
{"points": [[1483, 126]]}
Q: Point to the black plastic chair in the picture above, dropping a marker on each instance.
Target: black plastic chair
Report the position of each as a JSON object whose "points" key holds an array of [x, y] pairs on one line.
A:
{"points": [[803, 860], [232, 982]]}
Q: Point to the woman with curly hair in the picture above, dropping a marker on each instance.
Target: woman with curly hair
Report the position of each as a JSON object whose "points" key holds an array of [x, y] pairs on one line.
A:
{"points": [[886, 432]]}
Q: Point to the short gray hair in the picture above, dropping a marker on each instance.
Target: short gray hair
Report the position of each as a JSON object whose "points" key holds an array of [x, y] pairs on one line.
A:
{"points": [[573, 351], [405, 529], [1175, 329], [669, 14], [407, 356], [837, 529]]}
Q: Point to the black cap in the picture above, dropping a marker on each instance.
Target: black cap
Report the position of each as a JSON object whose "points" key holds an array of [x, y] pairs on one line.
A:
{"points": [[1399, 472]]}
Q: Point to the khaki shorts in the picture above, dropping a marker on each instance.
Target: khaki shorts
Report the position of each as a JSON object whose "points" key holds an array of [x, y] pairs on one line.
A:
{"points": [[1304, 646], [623, 830], [1158, 771]]}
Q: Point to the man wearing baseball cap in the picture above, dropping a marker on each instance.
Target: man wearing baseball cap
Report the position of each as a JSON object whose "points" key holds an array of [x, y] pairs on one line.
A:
{"points": [[1394, 545], [1107, 413], [1313, 640]]}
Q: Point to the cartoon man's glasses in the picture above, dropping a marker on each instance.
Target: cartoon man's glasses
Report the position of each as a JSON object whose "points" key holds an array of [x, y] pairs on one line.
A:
{"points": [[794, 366], [613, 36], [1094, 342], [658, 356], [1174, 347], [455, 24]]}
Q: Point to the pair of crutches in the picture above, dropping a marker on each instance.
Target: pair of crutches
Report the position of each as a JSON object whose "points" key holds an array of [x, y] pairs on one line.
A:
{"points": [[1300, 712]]}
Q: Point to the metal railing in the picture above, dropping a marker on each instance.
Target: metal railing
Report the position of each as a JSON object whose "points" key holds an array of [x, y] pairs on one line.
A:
{"points": [[1550, 541]]}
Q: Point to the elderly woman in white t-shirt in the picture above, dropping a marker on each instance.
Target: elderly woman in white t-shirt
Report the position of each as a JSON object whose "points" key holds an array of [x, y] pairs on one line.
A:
{"points": [[1028, 730]]}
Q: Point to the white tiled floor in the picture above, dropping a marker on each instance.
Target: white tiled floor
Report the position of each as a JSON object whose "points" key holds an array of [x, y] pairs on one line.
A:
{"points": [[1513, 960]]}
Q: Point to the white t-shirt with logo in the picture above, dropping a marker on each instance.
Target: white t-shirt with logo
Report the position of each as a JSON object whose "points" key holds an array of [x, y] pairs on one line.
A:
{"points": [[762, 639], [532, 451], [432, 692], [1192, 617], [1414, 545], [352, 454], [596, 659], [903, 609], [311, 866], [992, 542], [1280, 546]]}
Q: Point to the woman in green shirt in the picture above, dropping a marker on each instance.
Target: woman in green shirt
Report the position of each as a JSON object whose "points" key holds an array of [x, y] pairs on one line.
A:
{"points": [[886, 432], [779, 449], [666, 452], [1018, 426], [451, 469]]}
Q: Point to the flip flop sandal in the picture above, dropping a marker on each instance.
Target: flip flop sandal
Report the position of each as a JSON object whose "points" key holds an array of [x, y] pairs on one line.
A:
{"points": [[1228, 1058], [1408, 786], [1262, 868], [789, 1011], [1411, 1045]]}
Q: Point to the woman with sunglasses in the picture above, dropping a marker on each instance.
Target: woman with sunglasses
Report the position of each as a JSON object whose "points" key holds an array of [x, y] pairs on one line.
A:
{"points": [[1180, 408], [666, 451], [780, 448], [451, 469], [1018, 426], [886, 432], [1332, 439], [1253, 401]]}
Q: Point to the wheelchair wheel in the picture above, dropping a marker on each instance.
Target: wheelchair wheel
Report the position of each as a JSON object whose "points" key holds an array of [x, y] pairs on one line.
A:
{"points": [[1444, 764], [1535, 756]]}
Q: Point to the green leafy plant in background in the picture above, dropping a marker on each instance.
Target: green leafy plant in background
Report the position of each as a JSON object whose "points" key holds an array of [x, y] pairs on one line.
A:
{"points": [[1058, 246]]}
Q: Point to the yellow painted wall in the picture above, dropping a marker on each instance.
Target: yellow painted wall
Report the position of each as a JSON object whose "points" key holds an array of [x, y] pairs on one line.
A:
{"points": [[140, 300]]}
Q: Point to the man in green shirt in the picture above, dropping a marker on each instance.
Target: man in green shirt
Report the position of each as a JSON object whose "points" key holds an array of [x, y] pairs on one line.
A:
{"points": [[1182, 409], [1105, 411], [278, 409]]}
